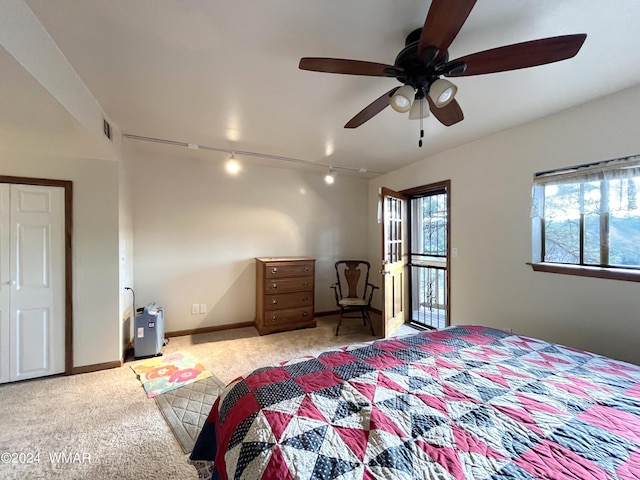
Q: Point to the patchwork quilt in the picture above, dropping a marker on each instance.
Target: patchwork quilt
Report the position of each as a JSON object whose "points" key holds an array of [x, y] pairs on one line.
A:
{"points": [[467, 402]]}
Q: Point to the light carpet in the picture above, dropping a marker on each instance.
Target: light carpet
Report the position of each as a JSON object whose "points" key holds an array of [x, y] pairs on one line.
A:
{"points": [[107, 415]]}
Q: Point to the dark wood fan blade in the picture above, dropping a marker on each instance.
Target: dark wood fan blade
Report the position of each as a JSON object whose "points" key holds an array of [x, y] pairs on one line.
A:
{"points": [[349, 67], [371, 110], [521, 55], [449, 114], [443, 22]]}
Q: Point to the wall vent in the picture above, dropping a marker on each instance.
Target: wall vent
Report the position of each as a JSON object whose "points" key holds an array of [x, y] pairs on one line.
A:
{"points": [[106, 129]]}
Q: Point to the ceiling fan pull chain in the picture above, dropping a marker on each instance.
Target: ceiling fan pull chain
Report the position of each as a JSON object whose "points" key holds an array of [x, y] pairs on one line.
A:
{"points": [[421, 129]]}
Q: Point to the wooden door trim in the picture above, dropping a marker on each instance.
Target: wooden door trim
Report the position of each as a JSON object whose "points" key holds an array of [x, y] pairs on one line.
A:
{"points": [[67, 185]]}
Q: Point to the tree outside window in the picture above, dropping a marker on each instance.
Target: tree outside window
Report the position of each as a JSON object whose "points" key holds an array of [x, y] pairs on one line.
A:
{"points": [[588, 215]]}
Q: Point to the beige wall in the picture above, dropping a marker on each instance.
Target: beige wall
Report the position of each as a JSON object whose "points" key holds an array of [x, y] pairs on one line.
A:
{"points": [[94, 243], [490, 222], [197, 232]]}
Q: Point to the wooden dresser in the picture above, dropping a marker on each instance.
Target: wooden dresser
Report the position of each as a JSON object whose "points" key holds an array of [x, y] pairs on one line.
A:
{"points": [[284, 293]]}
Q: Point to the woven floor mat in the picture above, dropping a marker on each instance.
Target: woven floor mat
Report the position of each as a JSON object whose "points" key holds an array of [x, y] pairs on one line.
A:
{"points": [[185, 409]]}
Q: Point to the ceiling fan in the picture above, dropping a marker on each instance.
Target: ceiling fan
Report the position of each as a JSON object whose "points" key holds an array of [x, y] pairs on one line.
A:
{"points": [[424, 59]]}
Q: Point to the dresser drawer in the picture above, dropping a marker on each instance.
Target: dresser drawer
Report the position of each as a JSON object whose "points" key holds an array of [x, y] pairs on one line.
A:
{"points": [[289, 269], [288, 300], [288, 285], [283, 317]]}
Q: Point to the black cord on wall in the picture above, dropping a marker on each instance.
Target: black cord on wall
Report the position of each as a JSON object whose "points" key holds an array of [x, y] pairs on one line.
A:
{"points": [[134, 299]]}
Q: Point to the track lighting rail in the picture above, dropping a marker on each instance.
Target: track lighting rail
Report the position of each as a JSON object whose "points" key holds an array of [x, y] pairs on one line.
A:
{"points": [[235, 151]]}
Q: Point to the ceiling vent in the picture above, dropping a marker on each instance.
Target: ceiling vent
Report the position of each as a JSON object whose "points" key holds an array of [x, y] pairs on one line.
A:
{"points": [[106, 129]]}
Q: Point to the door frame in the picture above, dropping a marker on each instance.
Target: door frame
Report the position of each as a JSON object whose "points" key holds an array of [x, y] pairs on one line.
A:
{"points": [[418, 192], [67, 185]]}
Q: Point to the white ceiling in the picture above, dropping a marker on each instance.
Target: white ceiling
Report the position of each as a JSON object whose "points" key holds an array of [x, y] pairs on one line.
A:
{"points": [[225, 74]]}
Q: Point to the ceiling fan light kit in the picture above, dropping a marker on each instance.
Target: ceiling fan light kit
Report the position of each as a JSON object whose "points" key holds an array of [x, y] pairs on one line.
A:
{"points": [[402, 100], [419, 109], [425, 59], [442, 92]]}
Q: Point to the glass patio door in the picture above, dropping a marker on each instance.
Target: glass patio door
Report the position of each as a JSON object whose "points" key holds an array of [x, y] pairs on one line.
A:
{"points": [[429, 255]]}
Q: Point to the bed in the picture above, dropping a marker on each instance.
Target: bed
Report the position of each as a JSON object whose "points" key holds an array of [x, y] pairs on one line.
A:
{"points": [[467, 402]]}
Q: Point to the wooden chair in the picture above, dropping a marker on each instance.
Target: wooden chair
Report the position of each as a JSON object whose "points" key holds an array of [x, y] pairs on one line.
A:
{"points": [[353, 291]]}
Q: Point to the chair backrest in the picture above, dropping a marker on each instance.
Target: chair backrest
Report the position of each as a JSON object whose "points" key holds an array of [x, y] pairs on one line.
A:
{"points": [[352, 278]]}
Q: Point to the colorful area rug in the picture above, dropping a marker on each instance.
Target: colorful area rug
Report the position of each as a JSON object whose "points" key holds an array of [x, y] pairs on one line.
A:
{"points": [[187, 408], [163, 374]]}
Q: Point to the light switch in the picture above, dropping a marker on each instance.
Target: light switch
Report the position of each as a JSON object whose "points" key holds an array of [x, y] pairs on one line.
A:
{"points": [[203, 308], [195, 309]]}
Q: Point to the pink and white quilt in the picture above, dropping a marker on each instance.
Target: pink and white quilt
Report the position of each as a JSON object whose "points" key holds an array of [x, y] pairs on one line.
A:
{"points": [[467, 402]]}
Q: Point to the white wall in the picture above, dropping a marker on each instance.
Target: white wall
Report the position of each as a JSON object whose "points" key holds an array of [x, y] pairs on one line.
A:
{"points": [[491, 227], [94, 244], [197, 232]]}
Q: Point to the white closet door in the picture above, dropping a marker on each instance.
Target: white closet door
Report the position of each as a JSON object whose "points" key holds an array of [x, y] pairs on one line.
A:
{"points": [[37, 281], [5, 282]]}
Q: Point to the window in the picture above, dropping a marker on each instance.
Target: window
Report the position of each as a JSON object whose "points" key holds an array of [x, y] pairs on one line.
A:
{"points": [[587, 219]]}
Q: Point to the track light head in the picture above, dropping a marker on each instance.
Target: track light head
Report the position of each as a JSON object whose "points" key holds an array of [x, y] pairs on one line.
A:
{"points": [[232, 166], [331, 176]]}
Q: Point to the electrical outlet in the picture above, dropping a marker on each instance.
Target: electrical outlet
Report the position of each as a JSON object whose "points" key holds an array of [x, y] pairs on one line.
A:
{"points": [[203, 308], [195, 309]]}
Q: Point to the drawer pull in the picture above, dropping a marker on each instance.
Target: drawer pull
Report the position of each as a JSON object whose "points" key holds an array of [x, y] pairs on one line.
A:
{"points": [[274, 286], [305, 314], [274, 270], [305, 269], [306, 284], [274, 318], [274, 301], [304, 299]]}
